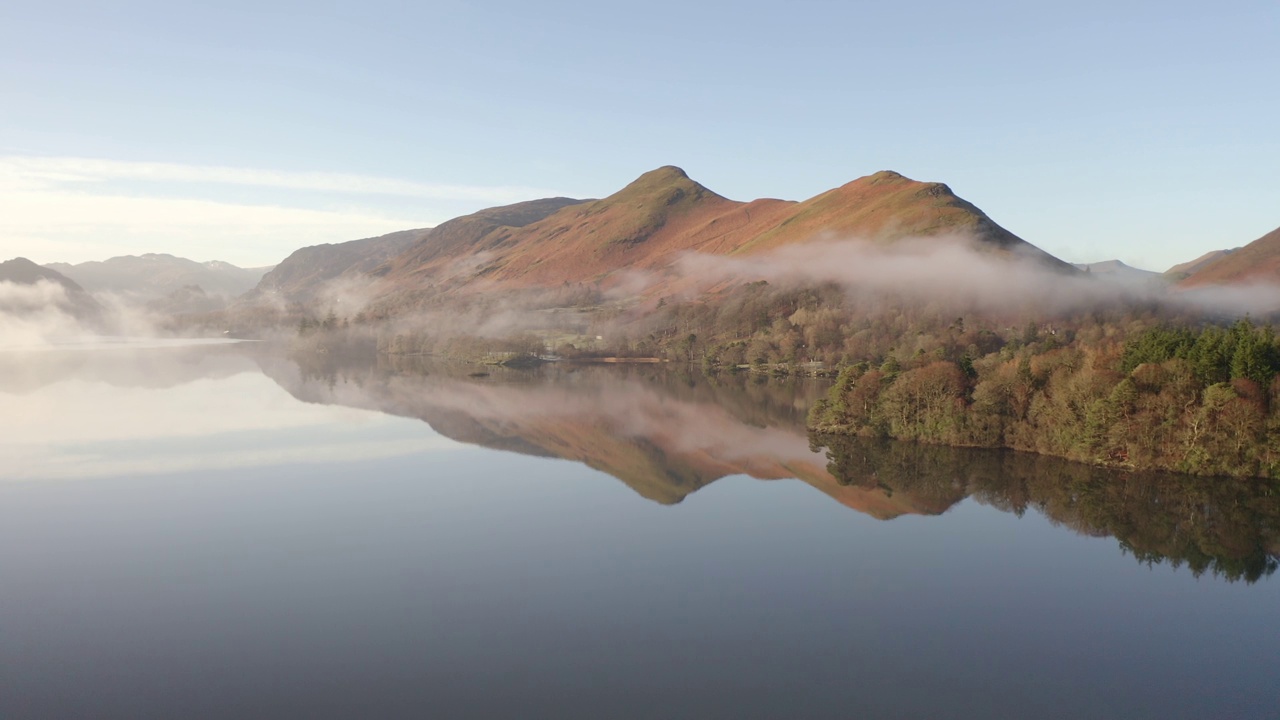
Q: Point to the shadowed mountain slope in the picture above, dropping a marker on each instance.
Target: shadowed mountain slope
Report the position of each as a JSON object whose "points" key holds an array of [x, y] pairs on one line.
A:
{"points": [[304, 273], [410, 255]]}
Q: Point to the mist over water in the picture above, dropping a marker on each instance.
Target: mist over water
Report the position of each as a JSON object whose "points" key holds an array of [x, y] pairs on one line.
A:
{"points": [[222, 530]]}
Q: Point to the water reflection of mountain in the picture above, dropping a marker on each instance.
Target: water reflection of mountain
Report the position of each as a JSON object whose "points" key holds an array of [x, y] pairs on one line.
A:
{"points": [[663, 433], [666, 434]]}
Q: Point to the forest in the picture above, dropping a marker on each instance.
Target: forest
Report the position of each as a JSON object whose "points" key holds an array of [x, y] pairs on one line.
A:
{"points": [[1199, 400]]}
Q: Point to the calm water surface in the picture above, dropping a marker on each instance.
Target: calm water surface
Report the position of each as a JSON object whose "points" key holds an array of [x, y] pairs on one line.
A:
{"points": [[220, 531]]}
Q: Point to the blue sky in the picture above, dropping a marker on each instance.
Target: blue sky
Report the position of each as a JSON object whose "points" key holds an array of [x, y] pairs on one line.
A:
{"points": [[241, 131]]}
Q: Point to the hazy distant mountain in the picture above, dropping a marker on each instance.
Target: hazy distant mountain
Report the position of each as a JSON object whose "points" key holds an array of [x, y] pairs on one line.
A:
{"points": [[1120, 273], [156, 275], [187, 299], [27, 288]]}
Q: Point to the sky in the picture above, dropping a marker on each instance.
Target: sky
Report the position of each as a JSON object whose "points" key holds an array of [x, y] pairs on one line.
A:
{"points": [[240, 131]]}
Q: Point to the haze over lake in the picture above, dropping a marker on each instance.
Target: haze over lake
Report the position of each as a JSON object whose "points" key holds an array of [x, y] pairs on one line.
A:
{"points": [[222, 530]]}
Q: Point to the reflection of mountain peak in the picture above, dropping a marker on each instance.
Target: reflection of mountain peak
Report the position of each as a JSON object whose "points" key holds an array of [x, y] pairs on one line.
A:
{"points": [[663, 435]]}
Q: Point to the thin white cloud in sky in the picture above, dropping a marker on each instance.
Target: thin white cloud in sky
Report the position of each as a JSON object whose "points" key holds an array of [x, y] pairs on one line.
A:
{"points": [[75, 209], [46, 173]]}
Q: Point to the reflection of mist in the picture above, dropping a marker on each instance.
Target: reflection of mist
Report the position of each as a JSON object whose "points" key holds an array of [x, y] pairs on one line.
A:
{"points": [[118, 412], [122, 362]]}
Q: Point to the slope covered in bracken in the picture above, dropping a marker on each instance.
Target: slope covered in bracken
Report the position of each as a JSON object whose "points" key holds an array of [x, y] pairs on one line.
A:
{"points": [[1255, 263]]}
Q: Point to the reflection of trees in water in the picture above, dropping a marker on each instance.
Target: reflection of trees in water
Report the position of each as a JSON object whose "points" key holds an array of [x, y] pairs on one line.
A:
{"points": [[1229, 527]]}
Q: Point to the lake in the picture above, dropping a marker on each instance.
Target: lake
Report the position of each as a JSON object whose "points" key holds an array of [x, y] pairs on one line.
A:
{"points": [[220, 530]]}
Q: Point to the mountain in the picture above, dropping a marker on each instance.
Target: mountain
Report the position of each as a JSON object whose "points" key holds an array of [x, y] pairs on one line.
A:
{"points": [[1255, 263], [21, 271], [1184, 270], [304, 273], [652, 222], [479, 232], [32, 288], [189, 299], [1117, 272], [154, 275]]}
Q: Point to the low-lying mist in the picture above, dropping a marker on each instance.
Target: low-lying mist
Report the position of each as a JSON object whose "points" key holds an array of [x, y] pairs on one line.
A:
{"points": [[958, 272], [953, 276], [45, 314]]}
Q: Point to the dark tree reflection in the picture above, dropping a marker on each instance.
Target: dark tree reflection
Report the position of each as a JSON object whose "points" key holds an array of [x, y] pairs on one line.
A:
{"points": [[1227, 527]]}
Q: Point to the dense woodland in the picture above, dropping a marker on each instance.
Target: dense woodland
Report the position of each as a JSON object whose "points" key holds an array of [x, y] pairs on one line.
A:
{"points": [[1196, 400]]}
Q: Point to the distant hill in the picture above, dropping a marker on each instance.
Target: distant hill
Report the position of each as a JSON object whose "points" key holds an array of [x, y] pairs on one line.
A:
{"points": [[189, 299], [155, 275], [22, 298], [1122, 274]]}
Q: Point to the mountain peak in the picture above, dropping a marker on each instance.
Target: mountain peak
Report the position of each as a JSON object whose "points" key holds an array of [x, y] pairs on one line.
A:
{"points": [[668, 172], [665, 186], [18, 262], [24, 272], [886, 176]]}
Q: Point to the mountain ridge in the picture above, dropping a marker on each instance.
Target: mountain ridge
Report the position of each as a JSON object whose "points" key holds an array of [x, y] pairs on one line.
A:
{"points": [[650, 223], [151, 276]]}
